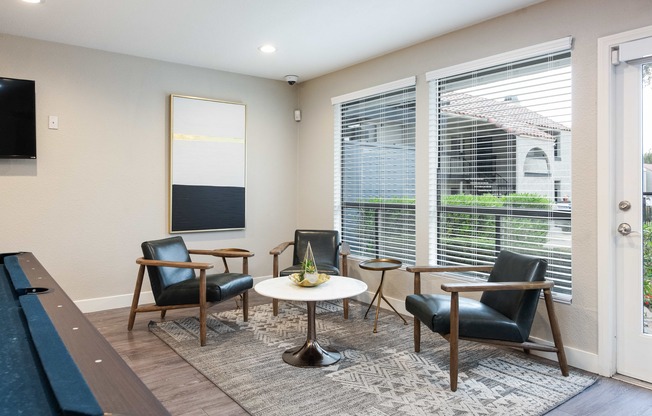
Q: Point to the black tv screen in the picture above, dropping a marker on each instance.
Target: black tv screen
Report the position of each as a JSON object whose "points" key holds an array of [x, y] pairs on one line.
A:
{"points": [[17, 118]]}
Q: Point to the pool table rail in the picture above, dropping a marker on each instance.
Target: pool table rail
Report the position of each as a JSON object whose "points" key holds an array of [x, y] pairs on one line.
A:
{"points": [[117, 389]]}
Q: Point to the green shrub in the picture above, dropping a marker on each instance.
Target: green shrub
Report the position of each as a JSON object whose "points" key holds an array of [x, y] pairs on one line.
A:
{"points": [[529, 232], [467, 227], [485, 200], [647, 265], [526, 201]]}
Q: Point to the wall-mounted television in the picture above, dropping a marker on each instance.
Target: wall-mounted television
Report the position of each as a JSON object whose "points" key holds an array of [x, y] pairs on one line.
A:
{"points": [[17, 119]]}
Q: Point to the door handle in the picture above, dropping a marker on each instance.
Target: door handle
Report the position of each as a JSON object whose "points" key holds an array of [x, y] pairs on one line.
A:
{"points": [[624, 228]]}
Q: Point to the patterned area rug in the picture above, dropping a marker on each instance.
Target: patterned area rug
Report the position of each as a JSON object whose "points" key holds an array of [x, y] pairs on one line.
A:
{"points": [[379, 374]]}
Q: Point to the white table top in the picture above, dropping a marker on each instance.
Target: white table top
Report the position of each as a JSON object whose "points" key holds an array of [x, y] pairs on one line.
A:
{"points": [[337, 287]]}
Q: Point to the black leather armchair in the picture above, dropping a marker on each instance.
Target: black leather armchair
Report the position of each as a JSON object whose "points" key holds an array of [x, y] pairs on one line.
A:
{"points": [[327, 249], [174, 284], [503, 315]]}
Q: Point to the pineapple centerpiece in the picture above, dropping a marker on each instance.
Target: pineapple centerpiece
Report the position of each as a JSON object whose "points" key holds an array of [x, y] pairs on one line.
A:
{"points": [[309, 275]]}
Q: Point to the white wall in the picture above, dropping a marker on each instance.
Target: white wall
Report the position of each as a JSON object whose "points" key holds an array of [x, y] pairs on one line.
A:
{"points": [[586, 21], [100, 184]]}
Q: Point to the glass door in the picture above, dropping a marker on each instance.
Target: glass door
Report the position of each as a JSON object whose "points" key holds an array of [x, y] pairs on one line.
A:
{"points": [[633, 101], [647, 195]]}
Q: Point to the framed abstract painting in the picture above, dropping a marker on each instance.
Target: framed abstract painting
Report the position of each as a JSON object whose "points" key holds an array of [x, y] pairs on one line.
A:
{"points": [[207, 164]]}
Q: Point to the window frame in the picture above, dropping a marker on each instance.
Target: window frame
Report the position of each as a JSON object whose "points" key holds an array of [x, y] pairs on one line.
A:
{"points": [[382, 246], [433, 78]]}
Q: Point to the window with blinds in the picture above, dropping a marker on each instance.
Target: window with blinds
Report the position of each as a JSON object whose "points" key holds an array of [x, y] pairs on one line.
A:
{"points": [[500, 140], [375, 171]]}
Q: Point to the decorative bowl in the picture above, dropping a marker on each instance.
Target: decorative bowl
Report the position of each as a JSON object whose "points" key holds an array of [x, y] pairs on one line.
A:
{"points": [[299, 281]]}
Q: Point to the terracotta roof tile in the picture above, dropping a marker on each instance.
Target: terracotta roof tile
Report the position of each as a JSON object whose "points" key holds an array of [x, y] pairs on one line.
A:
{"points": [[507, 115]]}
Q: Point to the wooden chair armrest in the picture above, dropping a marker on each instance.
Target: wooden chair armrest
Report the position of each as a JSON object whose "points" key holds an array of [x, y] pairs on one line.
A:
{"points": [[224, 252], [178, 264], [494, 286], [345, 249], [281, 248], [441, 269]]}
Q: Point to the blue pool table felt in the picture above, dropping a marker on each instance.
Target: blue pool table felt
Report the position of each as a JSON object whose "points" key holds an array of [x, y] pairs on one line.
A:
{"points": [[38, 375]]}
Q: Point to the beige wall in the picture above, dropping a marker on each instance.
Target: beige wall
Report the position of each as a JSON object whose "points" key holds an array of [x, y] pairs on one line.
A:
{"points": [[586, 21], [100, 187]]}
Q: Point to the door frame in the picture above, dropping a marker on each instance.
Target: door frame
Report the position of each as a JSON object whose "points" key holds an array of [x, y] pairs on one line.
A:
{"points": [[605, 199]]}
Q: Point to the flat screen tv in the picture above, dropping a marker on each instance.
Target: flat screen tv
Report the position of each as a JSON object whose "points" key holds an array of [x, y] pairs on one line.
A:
{"points": [[17, 119]]}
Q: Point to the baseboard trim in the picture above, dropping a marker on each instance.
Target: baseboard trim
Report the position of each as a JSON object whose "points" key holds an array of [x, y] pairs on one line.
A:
{"points": [[122, 301], [583, 360], [112, 302], [633, 381]]}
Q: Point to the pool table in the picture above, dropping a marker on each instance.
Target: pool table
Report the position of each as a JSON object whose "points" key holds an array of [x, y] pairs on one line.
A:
{"points": [[53, 360]]}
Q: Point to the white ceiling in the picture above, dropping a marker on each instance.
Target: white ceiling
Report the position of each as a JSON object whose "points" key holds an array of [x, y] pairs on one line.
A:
{"points": [[312, 37]]}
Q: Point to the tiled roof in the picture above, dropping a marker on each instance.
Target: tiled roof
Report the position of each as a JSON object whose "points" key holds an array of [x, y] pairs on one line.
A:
{"points": [[507, 115]]}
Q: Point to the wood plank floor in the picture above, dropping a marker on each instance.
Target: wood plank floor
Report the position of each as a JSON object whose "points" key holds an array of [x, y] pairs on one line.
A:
{"points": [[184, 391]]}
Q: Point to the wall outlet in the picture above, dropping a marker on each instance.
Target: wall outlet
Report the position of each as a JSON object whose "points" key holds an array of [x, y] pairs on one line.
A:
{"points": [[53, 122]]}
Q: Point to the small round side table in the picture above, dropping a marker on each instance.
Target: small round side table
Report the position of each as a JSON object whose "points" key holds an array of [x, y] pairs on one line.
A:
{"points": [[381, 265], [311, 354]]}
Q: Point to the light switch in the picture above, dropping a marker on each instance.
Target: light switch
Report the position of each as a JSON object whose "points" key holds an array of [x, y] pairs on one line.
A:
{"points": [[53, 122]]}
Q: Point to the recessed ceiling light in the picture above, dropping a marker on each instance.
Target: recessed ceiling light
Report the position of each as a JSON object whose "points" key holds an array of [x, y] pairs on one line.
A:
{"points": [[34, 1], [267, 48]]}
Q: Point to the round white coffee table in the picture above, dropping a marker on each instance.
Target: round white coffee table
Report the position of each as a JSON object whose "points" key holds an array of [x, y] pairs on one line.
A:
{"points": [[311, 354]]}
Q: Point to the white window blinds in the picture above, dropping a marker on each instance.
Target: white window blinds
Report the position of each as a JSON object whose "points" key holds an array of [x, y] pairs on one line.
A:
{"points": [[500, 139], [375, 171]]}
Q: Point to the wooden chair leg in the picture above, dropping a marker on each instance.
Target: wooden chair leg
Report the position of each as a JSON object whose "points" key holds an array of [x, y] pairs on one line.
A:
{"points": [[245, 305], [417, 323], [345, 272], [136, 298], [202, 307], [417, 335], [454, 338], [275, 273], [556, 333], [163, 311]]}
